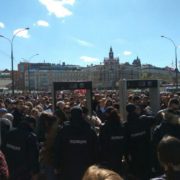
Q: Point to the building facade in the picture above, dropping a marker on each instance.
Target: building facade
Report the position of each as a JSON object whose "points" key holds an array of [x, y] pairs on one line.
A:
{"points": [[106, 75], [40, 76], [5, 79]]}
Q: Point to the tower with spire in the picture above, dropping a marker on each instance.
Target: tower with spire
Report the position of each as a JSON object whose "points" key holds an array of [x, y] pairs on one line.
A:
{"points": [[110, 70], [111, 60], [111, 54]]}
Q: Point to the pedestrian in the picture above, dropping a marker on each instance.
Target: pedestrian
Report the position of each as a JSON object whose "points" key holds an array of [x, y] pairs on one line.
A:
{"points": [[97, 173], [46, 152], [169, 125]]}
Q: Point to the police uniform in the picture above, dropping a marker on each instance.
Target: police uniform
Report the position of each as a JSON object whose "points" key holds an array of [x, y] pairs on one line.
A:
{"points": [[75, 147], [22, 151], [113, 145], [139, 145]]}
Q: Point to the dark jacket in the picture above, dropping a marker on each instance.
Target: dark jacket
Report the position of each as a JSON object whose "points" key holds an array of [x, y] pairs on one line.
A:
{"points": [[5, 126], [18, 117], [113, 145], [170, 125], [167, 127], [75, 148], [22, 151], [139, 144]]}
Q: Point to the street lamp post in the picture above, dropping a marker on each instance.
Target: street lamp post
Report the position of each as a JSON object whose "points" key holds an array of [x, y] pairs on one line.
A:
{"points": [[176, 68], [12, 55], [29, 69]]}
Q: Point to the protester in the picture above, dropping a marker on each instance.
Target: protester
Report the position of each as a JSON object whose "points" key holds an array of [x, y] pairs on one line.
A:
{"points": [[97, 173], [169, 156], [46, 153], [101, 108], [18, 112], [72, 147], [169, 125], [61, 111], [93, 119], [170, 113], [43, 126]]}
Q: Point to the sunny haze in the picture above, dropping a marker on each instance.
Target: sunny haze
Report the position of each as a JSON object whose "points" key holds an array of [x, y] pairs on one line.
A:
{"points": [[81, 31]]}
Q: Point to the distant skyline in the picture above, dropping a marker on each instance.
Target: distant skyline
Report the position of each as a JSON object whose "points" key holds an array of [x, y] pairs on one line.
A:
{"points": [[81, 32]]}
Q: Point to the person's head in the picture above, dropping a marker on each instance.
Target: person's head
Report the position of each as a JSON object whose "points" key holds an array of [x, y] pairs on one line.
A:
{"points": [[8, 116], [3, 111], [35, 113], [29, 104], [136, 100], [109, 102], [2, 105], [76, 113], [60, 105], [96, 173], [173, 104], [133, 111], [145, 100], [108, 111], [130, 98], [40, 108], [67, 109], [102, 102], [9, 103], [26, 110], [169, 153], [20, 104], [114, 116], [47, 120], [130, 108]]}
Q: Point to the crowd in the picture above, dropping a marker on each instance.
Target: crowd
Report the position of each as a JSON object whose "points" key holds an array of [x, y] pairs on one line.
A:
{"points": [[68, 142]]}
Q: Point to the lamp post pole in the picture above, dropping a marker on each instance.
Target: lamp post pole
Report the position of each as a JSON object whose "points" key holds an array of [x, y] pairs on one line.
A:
{"points": [[12, 55], [176, 68]]}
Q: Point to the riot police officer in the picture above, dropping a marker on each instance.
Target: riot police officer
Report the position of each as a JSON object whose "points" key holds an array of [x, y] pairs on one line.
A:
{"points": [[113, 142], [75, 147], [139, 142], [22, 151]]}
